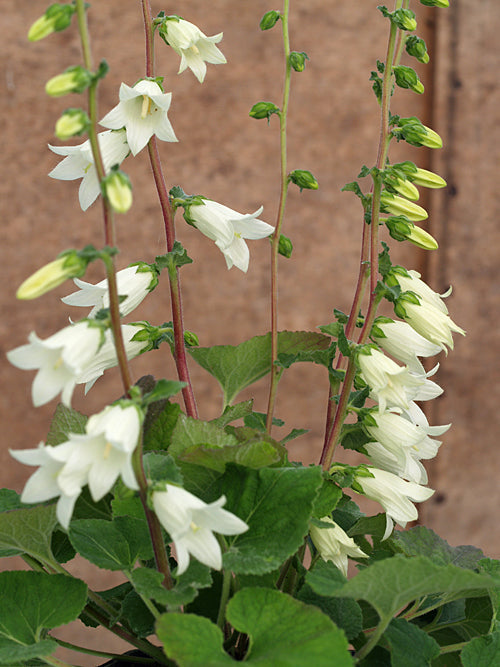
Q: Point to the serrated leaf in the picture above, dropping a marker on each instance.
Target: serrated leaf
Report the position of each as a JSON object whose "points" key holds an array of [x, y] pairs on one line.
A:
{"points": [[257, 421], [422, 541], [233, 412], [163, 390], [161, 468], [283, 633], [325, 578], [391, 584], [294, 433], [148, 582], [344, 612], [10, 500], [238, 366], [189, 432], [13, 655], [159, 434], [65, 421], [276, 503], [410, 646], [249, 454], [482, 651], [31, 602], [28, 531], [327, 499]]}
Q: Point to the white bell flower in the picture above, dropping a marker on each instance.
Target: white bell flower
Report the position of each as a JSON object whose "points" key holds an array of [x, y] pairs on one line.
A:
{"points": [[142, 111], [394, 494], [228, 229], [96, 458], [413, 283], [191, 524], [135, 282], [430, 322], [403, 343], [334, 544], [79, 163], [391, 384], [194, 47], [60, 360]]}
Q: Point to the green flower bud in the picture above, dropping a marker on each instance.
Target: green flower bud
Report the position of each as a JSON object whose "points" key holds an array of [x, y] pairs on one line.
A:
{"points": [[303, 179], [263, 110], [416, 47], [72, 122], [73, 80], [53, 274], [118, 190], [435, 3], [269, 20], [428, 179], [56, 18], [191, 339], [403, 186], [422, 239], [298, 60], [406, 77], [404, 19], [285, 246], [417, 134], [401, 229], [390, 203]]}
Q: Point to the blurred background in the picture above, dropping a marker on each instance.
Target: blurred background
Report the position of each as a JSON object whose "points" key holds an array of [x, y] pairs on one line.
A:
{"points": [[229, 157]]}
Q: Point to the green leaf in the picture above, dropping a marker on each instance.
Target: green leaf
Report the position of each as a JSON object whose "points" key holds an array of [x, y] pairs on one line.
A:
{"points": [[344, 612], [233, 412], [10, 500], [160, 468], [482, 651], [327, 499], [257, 454], [148, 582], [391, 584], [238, 366], [28, 531], [410, 646], [176, 258], [111, 545], [276, 503], [30, 603], [257, 420], [137, 615], [159, 435], [283, 633], [422, 541], [65, 421], [163, 390], [325, 578], [461, 620], [189, 432], [294, 433]]}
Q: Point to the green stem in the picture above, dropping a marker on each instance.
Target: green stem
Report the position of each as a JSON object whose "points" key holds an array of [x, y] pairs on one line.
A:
{"points": [[275, 371], [226, 589], [104, 654], [373, 640], [154, 611], [55, 662], [166, 209]]}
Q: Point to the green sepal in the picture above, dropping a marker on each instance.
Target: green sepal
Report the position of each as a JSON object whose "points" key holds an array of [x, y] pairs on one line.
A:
{"points": [[269, 20], [262, 110]]}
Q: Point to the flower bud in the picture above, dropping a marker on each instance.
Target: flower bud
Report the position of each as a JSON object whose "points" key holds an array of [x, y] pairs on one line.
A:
{"points": [[191, 339], [56, 18], [416, 47], [263, 110], [298, 60], [406, 77], [269, 20], [418, 134], [399, 206], [428, 179], [403, 186], [73, 80], [53, 274], [435, 3], [118, 190], [404, 19], [285, 246], [72, 122], [303, 179], [401, 229]]}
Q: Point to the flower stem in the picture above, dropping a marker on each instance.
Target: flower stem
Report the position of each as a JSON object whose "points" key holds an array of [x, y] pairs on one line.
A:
{"points": [[109, 230], [275, 371], [104, 654], [166, 209]]}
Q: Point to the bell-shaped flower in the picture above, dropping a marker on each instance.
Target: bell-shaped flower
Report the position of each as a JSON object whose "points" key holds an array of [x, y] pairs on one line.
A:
{"points": [[410, 281], [191, 524], [43, 484], [430, 322], [394, 494], [79, 163], [134, 283], [142, 111], [403, 343], [59, 359], [96, 458], [228, 229], [391, 384], [334, 544], [192, 45]]}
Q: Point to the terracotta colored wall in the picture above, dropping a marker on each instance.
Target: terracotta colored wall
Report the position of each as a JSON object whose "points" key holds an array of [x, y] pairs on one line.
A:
{"points": [[227, 156]]}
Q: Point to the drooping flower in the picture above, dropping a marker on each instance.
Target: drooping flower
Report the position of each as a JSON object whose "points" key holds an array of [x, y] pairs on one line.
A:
{"points": [[410, 281], [134, 282], [59, 359], [79, 163], [228, 229], [142, 111], [403, 343], [194, 47], [430, 322], [394, 494], [191, 524], [334, 544], [96, 458]]}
